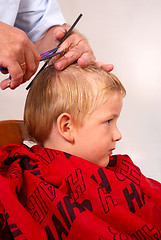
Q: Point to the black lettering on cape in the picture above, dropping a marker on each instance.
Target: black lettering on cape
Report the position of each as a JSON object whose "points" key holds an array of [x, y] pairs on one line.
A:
{"points": [[147, 232], [48, 189], [59, 227], [117, 235], [76, 183], [104, 191], [16, 232], [51, 154], [129, 170], [70, 206], [131, 195], [37, 206], [63, 214], [102, 180], [49, 233]]}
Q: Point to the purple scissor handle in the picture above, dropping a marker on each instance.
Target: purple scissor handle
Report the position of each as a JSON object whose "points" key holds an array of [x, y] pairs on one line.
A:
{"points": [[44, 56]]}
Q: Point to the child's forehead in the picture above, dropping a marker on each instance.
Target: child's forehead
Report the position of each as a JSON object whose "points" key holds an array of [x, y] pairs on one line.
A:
{"points": [[111, 106]]}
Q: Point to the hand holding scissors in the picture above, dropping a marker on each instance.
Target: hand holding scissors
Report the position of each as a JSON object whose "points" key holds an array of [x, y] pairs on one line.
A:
{"points": [[19, 69]]}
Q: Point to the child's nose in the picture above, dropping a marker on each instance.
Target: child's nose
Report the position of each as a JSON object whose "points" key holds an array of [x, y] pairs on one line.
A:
{"points": [[117, 135]]}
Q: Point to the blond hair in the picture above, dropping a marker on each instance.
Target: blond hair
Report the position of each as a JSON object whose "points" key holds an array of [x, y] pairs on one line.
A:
{"points": [[75, 90]]}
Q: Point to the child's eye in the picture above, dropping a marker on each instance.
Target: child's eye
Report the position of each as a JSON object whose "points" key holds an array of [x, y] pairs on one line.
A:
{"points": [[108, 121]]}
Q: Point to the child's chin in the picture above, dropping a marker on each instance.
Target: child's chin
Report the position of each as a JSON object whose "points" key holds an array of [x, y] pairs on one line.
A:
{"points": [[104, 162]]}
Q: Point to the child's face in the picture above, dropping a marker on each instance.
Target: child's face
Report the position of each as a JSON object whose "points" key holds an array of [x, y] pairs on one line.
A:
{"points": [[96, 138]]}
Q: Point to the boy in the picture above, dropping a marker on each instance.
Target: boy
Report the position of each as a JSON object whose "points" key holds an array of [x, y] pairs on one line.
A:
{"points": [[70, 184]]}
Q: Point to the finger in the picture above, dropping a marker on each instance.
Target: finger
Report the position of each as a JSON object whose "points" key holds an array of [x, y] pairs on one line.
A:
{"points": [[74, 55], [87, 56], [79, 51], [106, 67], [32, 59], [21, 70], [86, 59], [59, 34], [15, 66], [65, 61], [60, 31], [5, 84], [16, 74], [23, 66], [11, 83]]}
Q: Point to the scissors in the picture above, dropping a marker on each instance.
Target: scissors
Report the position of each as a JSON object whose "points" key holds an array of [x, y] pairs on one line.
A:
{"points": [[63, 39], [51, 53], [44, 56]]}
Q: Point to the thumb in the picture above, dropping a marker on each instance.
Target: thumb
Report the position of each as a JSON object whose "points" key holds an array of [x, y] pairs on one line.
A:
{"points": [[59, 33]]}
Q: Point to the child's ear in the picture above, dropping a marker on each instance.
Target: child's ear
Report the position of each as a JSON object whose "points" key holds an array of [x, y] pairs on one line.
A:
{"points": [[65, 127]]}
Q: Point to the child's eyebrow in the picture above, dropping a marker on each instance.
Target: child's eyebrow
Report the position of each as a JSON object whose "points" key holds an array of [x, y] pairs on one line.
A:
{"points": [[114, 116]]}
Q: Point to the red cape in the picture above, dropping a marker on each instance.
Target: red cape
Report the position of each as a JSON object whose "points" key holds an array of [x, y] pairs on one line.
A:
{"points": [[48, 194]]}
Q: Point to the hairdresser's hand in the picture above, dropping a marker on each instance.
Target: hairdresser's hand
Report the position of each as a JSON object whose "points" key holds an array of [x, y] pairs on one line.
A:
{"points": [[18, 54], [80, 50]]}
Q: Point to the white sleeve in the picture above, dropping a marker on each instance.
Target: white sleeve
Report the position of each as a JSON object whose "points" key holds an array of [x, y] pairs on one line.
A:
{"points": [[35, 17], [8, 11]]}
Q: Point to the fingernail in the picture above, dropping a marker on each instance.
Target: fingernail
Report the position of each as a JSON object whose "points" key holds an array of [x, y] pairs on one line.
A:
{"points": [[58, 30], [59, 65]]}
